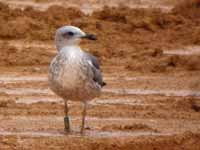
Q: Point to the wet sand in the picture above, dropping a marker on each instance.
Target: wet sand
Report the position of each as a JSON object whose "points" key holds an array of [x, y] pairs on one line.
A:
{"points": [[152, 97]]}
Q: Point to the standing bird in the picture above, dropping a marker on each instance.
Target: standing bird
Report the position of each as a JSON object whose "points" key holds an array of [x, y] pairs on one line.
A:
{"points": [[74, 74]]}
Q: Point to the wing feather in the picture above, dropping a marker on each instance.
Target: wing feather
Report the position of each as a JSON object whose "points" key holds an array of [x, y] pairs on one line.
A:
{"points": [[95, 68]]}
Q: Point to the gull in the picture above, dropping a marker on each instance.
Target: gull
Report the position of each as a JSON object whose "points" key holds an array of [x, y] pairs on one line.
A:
{"points": [[74, 74]]}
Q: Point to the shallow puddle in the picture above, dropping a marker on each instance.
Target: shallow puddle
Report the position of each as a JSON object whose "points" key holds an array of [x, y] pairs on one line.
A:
{"points": [[195, 50], [120, 101], [60, 118], [132, 102], [21, 79], [180, 93], [136, 78], [94, 134], [26, 91], [124, 134], [29, 133], [37, 100]]}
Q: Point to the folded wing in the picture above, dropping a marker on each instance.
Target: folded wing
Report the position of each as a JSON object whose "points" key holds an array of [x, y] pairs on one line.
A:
{"points": [[95, 68]]}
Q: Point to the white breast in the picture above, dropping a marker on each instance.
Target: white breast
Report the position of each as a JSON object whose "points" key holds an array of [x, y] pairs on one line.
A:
{"points": [[70, 76]]}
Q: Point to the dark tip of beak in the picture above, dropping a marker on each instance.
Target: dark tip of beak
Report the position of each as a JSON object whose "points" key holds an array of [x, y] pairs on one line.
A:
{"points": [[90, 37]]}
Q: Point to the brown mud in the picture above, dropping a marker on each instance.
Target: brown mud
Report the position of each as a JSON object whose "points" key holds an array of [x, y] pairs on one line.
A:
{"points": [[151, 63]]}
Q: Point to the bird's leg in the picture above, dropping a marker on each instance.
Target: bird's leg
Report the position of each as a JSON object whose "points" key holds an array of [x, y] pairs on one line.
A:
{"points": [[66, 119], [83, 117]]}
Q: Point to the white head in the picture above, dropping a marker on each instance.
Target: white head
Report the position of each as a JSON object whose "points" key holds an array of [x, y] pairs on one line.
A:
{"points": [[70, 36]]}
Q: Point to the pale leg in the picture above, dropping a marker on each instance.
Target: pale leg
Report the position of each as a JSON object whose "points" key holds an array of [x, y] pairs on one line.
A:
{"points": [[83, 117], [66, 119]]}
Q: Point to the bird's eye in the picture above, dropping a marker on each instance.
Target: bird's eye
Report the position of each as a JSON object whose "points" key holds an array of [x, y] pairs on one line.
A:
{"points": [[70, 33]]}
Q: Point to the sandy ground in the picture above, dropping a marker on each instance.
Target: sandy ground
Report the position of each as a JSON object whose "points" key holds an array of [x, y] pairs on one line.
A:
{"points": [[150, 62]]}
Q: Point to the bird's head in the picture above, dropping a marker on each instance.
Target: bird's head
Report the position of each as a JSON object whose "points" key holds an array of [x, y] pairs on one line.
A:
{"points": [[70, 36]]}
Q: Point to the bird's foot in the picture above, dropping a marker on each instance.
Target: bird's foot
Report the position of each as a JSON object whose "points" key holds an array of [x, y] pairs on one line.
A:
{"points": [[67, 124], [83, 129]]}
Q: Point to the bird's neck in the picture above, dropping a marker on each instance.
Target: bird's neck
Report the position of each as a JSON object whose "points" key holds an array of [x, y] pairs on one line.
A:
{"points": [[73, 53], [70, 48]]}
